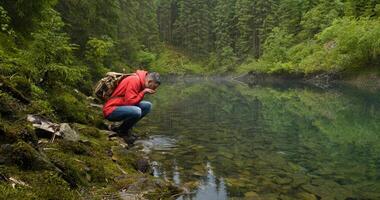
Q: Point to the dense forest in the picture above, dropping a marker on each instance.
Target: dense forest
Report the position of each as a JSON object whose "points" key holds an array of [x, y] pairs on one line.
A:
{"points": [[299, 36], [73, 42], [88, 38]]}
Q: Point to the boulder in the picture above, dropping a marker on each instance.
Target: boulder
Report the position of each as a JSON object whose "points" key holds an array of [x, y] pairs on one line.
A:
{"points": [[68, 133]]}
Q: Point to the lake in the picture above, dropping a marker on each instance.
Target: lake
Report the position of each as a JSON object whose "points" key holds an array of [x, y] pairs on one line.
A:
{"points": [[231, 141]]}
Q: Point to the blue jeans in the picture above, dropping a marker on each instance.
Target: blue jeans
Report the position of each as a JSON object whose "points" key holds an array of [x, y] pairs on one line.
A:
{"points": [[130, 115]]}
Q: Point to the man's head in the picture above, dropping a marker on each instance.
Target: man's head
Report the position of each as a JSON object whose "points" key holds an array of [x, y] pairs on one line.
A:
{"points": [[152, 80]]}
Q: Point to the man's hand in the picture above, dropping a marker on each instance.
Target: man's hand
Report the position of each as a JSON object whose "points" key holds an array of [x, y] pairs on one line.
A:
{"points": [[149, 91]]}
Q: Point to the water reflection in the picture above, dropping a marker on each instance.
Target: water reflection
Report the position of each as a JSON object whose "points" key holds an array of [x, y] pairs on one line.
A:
{"points": [[230, 141], [209, 188]]}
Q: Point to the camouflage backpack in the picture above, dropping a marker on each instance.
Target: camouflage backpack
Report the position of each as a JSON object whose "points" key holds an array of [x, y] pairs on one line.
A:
{"points": [[105, 87]]}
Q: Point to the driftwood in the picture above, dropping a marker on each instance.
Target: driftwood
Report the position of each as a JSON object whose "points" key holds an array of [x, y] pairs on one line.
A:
{"points": [[47, 129]]}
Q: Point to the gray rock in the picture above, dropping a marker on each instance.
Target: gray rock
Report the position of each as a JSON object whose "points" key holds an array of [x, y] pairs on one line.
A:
{"points": [[68, 133]]}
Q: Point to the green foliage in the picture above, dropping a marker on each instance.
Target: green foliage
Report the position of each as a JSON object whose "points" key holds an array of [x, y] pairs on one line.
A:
{"points": [[271, 32], [277, 45], [97, 51], [22, 84], [42, 108], [192, 26], [25, 15], [352, 43], [172, 61], [225, 61], [49, 59], [145, 59], [4, 22], [361, 8], [320, 17], [347, 43]]}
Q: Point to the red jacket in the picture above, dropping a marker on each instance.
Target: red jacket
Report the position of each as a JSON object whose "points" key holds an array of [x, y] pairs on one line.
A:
{"points": [[130, 91]]}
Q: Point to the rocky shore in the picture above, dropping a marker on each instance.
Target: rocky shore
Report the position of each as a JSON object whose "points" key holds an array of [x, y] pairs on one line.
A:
{"points": [[44, 158]]}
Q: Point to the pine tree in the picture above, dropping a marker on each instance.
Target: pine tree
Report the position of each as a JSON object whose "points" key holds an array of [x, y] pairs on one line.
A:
{"points": [[193, 26], [166, 15], [224, 24], [244, 24]]}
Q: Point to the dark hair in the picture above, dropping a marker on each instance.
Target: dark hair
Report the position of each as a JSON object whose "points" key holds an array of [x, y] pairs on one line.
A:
{"points": [[154, 76]]}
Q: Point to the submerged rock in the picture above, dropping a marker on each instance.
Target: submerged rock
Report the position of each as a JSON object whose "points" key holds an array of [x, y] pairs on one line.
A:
{"points": [[306, 196], [282, 180], [251, 196]]}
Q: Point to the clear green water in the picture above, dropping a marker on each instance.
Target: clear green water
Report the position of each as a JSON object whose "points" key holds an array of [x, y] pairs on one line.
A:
{"points": [[239, 142]]}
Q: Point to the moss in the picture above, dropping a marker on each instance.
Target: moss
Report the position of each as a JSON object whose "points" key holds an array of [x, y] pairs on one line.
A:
{"points": [[8, 105], [75, 147], [73, 170], [69, 108], [8, 87], [73, 108], [88, 131], [26, 133], [82, 168], [125, 157], [11, 131], [22, 84], [26, 157], [5, 136], [42, 108], [42, 185], [97, 172], [54, 185]]}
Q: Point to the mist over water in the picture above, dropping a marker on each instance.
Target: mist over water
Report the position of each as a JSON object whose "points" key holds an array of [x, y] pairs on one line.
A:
{"points": [[228, 140]]}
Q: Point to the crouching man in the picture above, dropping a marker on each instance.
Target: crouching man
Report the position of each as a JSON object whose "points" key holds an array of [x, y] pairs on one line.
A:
{"points": [[126, 102]]}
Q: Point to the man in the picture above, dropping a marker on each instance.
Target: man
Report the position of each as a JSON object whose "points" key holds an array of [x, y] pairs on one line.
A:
{"points": [[126, 103]]}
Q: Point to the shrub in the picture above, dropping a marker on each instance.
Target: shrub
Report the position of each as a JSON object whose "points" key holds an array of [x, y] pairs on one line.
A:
{"points": [[22, 84], [352, 43], [97, 50], [144, 59], [276, 46]]}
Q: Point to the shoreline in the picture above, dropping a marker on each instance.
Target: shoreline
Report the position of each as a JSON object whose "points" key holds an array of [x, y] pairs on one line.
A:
{"points": [[362, 80]]}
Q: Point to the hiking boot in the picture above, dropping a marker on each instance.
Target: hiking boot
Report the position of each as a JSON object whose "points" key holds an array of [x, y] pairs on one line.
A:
{"points": [[114, 127], [128, 137]]}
